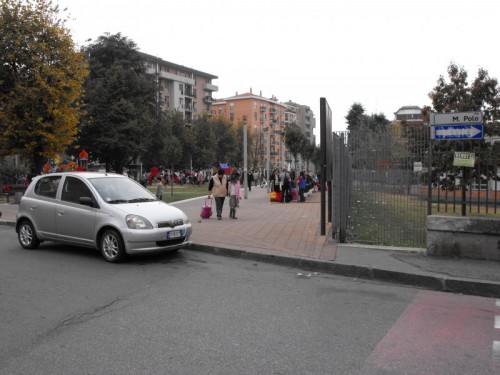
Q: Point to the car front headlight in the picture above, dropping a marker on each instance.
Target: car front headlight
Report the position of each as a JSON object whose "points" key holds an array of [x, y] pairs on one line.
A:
{"points": [[137, 222]]}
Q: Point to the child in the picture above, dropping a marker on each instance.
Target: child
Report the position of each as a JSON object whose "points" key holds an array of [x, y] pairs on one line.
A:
{"points": [[234, 196]]}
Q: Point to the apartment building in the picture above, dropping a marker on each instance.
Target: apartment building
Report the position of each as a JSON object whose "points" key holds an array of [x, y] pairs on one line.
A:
{"points": [[265, 118], [183, 89], [303, 116]]}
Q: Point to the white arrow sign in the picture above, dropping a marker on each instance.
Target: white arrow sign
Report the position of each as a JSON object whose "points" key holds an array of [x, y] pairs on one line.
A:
{"points": [[459, 131]]}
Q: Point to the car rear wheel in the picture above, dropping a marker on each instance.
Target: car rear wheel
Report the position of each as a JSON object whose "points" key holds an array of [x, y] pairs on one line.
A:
{"points": [[27, 235], [112, 247]]}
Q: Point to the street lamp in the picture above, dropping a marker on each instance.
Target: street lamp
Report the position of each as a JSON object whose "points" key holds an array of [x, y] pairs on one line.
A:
{"points": [[268, 157], [245, 168]]}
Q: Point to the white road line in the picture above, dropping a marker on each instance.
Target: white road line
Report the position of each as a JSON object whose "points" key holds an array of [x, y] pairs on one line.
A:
{"points": [[497, 322], [497, 302], [496, 349]]}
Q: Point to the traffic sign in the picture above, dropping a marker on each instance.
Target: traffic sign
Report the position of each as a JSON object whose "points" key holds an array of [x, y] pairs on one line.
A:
{"points": [[461, 131], [468, 118]]}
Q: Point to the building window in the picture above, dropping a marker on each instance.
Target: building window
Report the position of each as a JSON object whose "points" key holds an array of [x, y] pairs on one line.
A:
{"points": [[255, 116], [231, 106], [231, 117]]}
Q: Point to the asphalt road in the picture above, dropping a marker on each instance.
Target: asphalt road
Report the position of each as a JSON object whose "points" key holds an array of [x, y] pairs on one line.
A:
{"points": [[64, 310]]}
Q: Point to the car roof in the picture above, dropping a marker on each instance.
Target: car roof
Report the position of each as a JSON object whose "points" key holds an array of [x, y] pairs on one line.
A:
{"points": [[86, 175]]}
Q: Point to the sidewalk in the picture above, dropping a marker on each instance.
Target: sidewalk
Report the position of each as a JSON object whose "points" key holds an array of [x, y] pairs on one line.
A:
{"points": [[289, 234]]}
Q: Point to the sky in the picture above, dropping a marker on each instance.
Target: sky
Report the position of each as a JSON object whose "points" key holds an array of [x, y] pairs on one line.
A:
{"points": [[382, 54]]}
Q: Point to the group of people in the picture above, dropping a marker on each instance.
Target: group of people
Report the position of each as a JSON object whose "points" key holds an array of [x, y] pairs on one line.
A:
{"points": [[287, 183], [195, 177], [221, 187]]}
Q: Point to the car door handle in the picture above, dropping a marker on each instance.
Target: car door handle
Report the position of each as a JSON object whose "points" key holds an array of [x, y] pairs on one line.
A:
{"points": [[61, 212]]}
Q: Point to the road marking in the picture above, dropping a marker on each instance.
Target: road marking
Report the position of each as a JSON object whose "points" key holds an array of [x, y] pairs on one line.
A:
{"points": [[497, 322], [496, 350], [439, 333]]}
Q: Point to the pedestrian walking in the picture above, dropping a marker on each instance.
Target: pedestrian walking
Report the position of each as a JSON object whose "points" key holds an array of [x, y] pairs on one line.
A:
{"points": [[250, 180], [159, 189], [284, 179], [234, 191], [218, 188], [274, 181], [302, 186], [201, 177]]}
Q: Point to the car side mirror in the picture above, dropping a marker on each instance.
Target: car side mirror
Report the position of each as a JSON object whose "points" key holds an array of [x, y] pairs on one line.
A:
{"points": [[86, 201]]}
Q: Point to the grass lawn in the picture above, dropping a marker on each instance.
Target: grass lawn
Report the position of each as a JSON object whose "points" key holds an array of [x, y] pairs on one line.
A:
{"points": [[388, 219], [181, 192]]}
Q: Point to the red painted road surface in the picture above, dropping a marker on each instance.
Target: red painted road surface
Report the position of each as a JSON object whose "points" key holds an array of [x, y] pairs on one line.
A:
{"points": [[441, 333]]}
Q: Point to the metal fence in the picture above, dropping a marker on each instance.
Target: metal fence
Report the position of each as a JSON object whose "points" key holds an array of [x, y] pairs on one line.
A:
{"points": [[381, 193]]}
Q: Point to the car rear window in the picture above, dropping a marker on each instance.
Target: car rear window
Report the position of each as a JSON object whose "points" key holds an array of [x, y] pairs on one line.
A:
{"points": [[47, 186]]}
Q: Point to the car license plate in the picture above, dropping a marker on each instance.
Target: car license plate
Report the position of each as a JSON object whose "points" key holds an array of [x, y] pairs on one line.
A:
{"points": [[174, 234]]}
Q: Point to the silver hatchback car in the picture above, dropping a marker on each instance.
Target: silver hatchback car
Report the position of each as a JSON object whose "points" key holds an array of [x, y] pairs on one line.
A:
{"points": [[106, 211]]}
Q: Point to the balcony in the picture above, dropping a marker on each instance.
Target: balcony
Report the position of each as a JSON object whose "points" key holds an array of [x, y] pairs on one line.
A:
{"points": [[210, 87], [172, 77], [263, 108], [208, 99], [273, 110]]}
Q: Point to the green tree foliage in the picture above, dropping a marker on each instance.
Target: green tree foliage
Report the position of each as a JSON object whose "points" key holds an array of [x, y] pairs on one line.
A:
{"points": [[155, 153], [309, 154], [204, 154], [298, 144], [41, 78], [355, 116], [295, 141], [357, 119], [366, 136], [216, 141], [180, 141], [226, 145], [457, 96], [120, 103]]}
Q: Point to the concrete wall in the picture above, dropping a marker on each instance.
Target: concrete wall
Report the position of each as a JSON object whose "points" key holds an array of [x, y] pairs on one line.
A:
{"points": [[462, 236]]}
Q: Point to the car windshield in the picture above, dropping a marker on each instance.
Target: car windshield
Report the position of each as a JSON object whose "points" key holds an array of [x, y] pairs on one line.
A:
{"points": [[121, 190]]}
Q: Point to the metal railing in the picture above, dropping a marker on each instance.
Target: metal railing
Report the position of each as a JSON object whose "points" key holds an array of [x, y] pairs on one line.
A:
{"points": [[381, 192]]}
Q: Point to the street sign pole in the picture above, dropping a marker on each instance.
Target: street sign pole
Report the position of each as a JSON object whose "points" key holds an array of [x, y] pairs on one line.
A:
{"points": [[455, 126]]}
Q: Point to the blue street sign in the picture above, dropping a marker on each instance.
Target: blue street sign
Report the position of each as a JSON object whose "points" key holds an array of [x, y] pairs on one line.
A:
{"points": [[472, 131]]}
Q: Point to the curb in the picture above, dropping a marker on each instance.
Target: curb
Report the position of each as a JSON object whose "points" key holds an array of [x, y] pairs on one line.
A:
{"points": [[481, 288]]}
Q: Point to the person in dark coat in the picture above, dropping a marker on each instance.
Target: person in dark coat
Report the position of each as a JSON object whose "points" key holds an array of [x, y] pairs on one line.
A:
{"points": [[250, 180]]}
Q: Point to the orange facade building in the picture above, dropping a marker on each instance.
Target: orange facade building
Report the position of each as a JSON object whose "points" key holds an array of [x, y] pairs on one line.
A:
{"points": [[265, 119]]}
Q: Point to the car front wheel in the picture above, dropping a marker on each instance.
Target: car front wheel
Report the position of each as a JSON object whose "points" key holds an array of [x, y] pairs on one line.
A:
{"points": [[27, 235], [112, 247]]}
